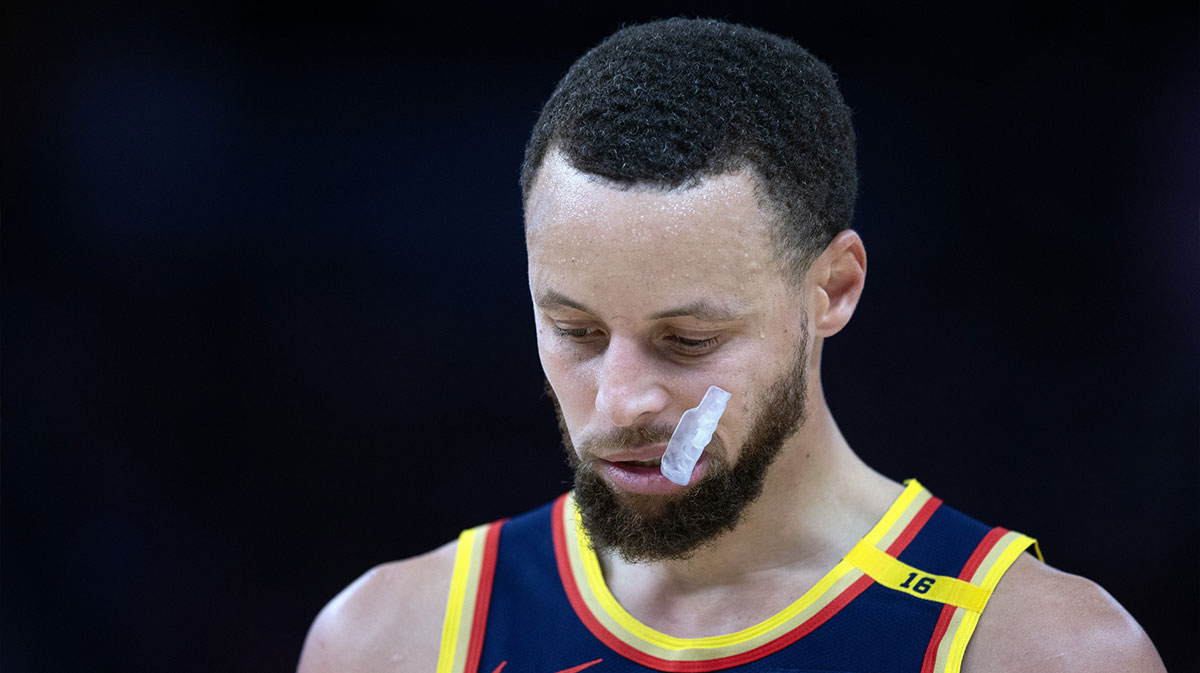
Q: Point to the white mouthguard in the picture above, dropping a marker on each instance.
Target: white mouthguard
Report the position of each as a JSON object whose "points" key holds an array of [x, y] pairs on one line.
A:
{"points": [[694, 432]]}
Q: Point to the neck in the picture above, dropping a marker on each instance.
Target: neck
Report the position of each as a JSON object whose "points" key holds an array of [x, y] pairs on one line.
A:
{"points": [[817, 501]]}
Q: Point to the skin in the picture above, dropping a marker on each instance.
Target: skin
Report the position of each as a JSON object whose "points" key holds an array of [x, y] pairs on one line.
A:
{"points": [[605, 264]]}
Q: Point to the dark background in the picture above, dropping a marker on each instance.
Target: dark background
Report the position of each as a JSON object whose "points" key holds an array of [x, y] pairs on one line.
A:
{"points": [[266, 324]]}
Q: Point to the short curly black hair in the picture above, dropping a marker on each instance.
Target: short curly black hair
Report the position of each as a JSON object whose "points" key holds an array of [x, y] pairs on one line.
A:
{"points": [[672, 102]]}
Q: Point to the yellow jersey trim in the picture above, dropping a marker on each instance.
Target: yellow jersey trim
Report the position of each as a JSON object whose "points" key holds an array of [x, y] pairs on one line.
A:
{"points": [[589, 578], [986, 576], [952, 644], [460, 605]]}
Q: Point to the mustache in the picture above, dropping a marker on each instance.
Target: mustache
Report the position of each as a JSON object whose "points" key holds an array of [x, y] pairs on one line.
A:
{"points": [[618, 438], [625, 438]]}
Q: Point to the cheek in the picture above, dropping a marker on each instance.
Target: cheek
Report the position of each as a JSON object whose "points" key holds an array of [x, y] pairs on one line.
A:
{"points": [[573, 385], [732, 429], [747, 386]]}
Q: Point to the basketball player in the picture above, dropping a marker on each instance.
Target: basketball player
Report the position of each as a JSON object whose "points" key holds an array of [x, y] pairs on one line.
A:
{"points": [[688, 196]]}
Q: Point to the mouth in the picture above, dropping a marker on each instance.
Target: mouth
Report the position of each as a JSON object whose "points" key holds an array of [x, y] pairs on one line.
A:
{"points": [[644, 475], [649, 455], [652, 462]]}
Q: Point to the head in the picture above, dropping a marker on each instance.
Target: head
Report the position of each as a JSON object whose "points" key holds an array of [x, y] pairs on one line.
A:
{"points": [[684, 191]]}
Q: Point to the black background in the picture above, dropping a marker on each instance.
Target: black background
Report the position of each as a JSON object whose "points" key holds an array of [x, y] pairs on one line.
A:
{"points": [[266, 324]]}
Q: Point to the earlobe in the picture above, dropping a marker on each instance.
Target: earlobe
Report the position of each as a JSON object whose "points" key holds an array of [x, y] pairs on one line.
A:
{"points": [[843, 270]]}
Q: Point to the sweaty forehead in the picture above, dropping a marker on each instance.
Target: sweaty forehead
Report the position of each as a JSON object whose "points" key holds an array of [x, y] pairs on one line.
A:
{"points": [[714, 227]]}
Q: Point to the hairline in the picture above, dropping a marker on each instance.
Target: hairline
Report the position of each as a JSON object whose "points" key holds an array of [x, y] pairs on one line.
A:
{"points": [[794, 264]]}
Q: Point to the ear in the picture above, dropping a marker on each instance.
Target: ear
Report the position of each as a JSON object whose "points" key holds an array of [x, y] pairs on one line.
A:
{"points": [[839, 274]]}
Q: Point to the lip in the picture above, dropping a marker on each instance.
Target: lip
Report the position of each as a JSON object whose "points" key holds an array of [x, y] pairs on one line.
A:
{"points": [[649, 452], [645, 480]]}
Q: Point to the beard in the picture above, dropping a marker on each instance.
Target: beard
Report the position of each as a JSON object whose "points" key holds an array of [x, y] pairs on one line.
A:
{"points": [[641, 528]]}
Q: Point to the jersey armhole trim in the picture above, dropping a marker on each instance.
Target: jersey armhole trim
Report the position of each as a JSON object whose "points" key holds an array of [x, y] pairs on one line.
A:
{"points": [[470, 594], [995, 554]]}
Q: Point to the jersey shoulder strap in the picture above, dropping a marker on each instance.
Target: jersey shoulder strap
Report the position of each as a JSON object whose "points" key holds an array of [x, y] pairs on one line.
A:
{"points": [[470, 592], [963, 595]]}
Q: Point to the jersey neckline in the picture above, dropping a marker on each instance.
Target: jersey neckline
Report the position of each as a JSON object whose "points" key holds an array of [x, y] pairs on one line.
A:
{"points": [[583, 580]]}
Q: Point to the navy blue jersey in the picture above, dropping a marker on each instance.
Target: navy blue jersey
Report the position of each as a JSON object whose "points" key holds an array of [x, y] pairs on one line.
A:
{"points": [[528, 596]]}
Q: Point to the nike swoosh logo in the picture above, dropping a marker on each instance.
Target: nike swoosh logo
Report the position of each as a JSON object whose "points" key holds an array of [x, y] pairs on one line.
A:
{"points": [[573, 669], [580, 667]]}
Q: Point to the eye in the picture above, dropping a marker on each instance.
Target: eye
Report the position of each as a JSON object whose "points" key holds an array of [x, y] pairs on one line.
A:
{"points": [[692, 346], [575, 333]]}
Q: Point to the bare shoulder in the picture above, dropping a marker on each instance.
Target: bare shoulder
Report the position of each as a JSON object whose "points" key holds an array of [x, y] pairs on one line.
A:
{"points": [[1042, 619], [390, 619]]}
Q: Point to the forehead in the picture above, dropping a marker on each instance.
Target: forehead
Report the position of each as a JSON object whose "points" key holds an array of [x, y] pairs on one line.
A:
{"points": [[713, 233]]}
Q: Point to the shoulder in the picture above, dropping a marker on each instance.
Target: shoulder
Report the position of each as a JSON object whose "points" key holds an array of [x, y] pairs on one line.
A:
{"points": [[1042, 619], [390, 619]]}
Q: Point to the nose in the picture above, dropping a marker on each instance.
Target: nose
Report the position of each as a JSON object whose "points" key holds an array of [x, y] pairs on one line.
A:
{"points": [[627, 388]]}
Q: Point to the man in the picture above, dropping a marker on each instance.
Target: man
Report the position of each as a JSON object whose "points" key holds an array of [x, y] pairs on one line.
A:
{"points": [[688, 196]]}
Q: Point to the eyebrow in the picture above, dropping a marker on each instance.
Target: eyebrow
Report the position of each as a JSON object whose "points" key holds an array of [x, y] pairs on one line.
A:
{"points": [[555, 299], [701, 309]]}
